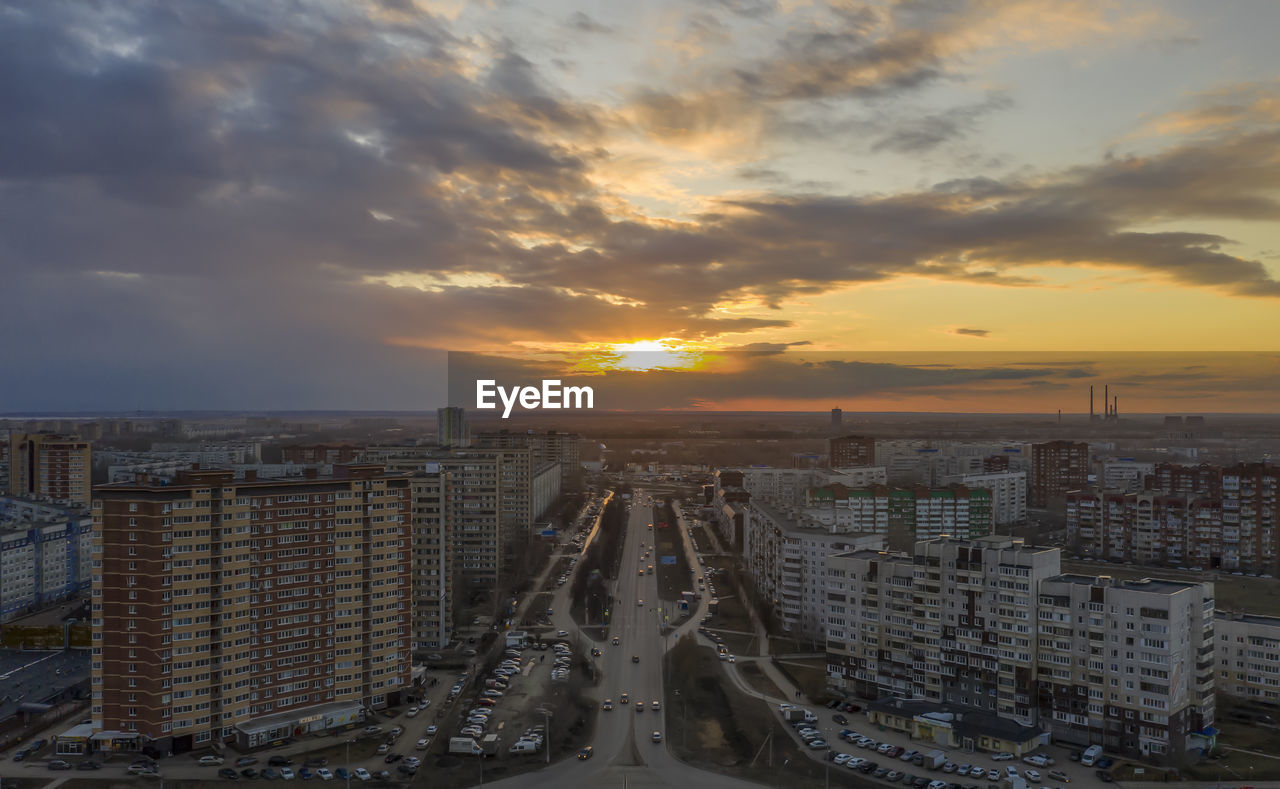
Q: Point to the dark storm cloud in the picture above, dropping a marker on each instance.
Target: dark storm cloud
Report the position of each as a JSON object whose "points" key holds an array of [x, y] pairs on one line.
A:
{"points": [[971, 332]]}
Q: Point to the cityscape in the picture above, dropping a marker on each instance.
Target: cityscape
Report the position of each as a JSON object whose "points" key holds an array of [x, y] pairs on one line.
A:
{"points": [[738, 393]]}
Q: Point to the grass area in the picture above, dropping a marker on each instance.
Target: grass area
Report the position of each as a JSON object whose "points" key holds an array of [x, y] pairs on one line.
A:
{"points": [[1239, 593], [757, 679], [1261, 739], [715, 726], [672, 578], [810, 676]]}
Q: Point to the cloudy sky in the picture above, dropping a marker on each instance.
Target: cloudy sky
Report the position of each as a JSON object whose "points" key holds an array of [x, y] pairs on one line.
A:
{"points": [[216, 204]]}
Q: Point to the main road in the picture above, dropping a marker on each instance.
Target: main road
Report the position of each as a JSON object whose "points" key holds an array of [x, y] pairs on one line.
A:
{"points": [[625, 753]]}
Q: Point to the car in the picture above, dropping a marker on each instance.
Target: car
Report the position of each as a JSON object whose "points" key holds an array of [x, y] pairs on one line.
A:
{"points": [[92, 765], [907, 756], [656, 736], [1011, 771], [487, 702], [59, 764], [361, 774], [950, 767], [413, 760], [367, 730], [840, 719], [881, 772], [623, 699], [1105, 763], [140, 769], [884, 748], [384, 748], [895, 752], [342, 773], [324, 774], [840, 758], [595, 652], [1033, 775], [423, 744], [1059, 776], [639, 602], [635, 658], [210, 760], [562, 633], [286, 773], [1104, 776], [639, 706], [432, 729], [413, 711], [937, 785], [249, 773], [615, 641], [1038, 760], [817, 744], [269, 773], [993, 775], [407, 769], [731, 659], [1003, 756], [229, 774], [392, 758], [608, 704], [892, 776], [586, 753]]}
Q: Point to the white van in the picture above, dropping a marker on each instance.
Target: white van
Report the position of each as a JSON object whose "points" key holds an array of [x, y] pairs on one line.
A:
{"points": [[524, 746], [1091, 754], [809, 717]]}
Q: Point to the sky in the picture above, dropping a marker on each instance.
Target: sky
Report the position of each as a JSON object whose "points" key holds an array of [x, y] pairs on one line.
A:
{"points": [[307, 205]]}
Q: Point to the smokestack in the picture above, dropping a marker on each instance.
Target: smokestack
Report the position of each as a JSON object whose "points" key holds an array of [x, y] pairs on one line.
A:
{"points": [[1090, 402], [1106, 399], [1115, 407]]}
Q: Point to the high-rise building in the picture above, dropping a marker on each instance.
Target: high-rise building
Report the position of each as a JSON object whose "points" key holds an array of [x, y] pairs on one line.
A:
{"points": [[452, 428], [552, 446], [1128, 665], [1251, 509], [1248, 656], [837, 421], [45, 554], [1200, 480], [319, 454], [1008, 493], [847, 451], [249, 610], [433, 623], [42, 464], [992, 624], [951, 622], [1057, 467]]}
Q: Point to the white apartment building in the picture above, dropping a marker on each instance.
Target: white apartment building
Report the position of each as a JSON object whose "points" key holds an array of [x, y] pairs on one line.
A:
{"points": [[1124, 474], [46, 554], [786, 556], [1128, 665], [1248, 655], [992, 624], [1008, 493]]}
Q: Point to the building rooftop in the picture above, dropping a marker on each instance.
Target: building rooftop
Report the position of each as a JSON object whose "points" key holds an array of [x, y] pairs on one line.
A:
{"points": [[965, 719], [36, 677]]}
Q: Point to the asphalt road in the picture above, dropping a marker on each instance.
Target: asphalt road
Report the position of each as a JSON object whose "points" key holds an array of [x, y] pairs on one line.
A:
{"points": [[625, 754]]}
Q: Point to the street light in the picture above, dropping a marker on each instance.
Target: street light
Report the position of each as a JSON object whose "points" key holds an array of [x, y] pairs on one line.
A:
{"points": [[348, 764]]}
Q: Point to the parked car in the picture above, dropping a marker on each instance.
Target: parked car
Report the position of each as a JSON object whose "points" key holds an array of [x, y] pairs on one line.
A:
{"points": [[59, 764], [228, 774]]}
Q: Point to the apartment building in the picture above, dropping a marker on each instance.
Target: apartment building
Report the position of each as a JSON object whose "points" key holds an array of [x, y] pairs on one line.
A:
{"points": [[45, 554], [992, 624], [848, 451], [1128, 665], [1250, 516], [53, 466], [554, 446], [1248, 656], [951, 622], [929, 462], [1056, 468], [786, 558], [325, 454], [1008, 491], [902, 515], [1235, 529], [452, 427], [1125, 474], [248, 610], [433, 560], [1196, 480]]}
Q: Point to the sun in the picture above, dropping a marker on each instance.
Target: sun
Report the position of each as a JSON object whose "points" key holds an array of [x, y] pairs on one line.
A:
{"points": [[665, 353]]}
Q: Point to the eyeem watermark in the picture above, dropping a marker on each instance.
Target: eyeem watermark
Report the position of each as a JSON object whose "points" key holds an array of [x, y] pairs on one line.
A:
{"points": [[551, 396]]}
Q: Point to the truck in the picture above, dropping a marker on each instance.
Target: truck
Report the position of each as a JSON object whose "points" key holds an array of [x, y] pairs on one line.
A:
{"points": [[932, 760], [1091, 754], [466, 746], [789, 715]]}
